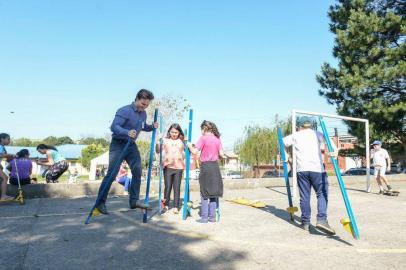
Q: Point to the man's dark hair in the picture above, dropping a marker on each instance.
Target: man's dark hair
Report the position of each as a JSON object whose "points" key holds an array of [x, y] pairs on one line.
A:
{"points": [[145, 94]]}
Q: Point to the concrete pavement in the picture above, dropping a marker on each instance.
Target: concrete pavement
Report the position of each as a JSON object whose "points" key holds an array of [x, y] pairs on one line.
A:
{"points": [[49, 233]]}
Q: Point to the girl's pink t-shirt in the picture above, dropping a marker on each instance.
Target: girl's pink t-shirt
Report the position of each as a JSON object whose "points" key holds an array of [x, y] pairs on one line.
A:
{"points": [[209, 146], [173, 154]]}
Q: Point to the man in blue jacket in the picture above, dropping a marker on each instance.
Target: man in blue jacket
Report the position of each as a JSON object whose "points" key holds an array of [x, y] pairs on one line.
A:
{"points": [[129, 121]]}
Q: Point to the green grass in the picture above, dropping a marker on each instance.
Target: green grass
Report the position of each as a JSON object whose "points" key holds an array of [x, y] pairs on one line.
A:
{"points": [[62, 179]]}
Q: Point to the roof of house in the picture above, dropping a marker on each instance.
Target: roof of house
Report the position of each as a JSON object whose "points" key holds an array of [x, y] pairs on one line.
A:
{"points": [[68, 151], [231, 154]]}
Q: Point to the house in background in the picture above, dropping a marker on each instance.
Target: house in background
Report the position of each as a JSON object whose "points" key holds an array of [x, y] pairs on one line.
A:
{"points": [[71, 152], [232, 163], [343, 142]]}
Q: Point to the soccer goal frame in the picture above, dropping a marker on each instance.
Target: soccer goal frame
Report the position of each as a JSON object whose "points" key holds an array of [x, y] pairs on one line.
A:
{"points": [[367, 148]]}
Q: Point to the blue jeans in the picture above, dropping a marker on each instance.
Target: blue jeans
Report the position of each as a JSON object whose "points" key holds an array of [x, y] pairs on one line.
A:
{"points": [[125, 181], [319, 182], [133, 158]]}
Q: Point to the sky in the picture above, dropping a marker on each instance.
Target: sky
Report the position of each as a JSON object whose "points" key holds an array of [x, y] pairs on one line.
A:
{"points": [[67, 66]]}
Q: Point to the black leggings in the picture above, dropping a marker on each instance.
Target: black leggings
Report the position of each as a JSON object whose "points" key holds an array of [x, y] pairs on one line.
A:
{"points": [[173, 177], [56, 170]]}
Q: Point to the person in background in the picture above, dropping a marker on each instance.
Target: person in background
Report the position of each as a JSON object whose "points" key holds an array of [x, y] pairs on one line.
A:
{"points": [[57, 164], [4, 140], [173, 151], [211, 183], [122, 177], [308, 144], [21, 167], [382, 164]]}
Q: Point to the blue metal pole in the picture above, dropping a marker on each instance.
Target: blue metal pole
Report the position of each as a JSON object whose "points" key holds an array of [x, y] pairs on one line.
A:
{"points": [[218, 209], [291, 209], [151, 160], [186, 209], [353, 223], [160, 165], [113, 174]]}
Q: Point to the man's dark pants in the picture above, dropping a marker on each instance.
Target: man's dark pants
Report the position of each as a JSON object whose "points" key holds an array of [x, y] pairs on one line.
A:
{"points": [[133, 159], [319, 182]]}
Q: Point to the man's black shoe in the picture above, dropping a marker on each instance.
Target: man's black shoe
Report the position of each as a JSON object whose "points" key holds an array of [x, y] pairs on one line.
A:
{"points": [[138, 204], [102, 209]]}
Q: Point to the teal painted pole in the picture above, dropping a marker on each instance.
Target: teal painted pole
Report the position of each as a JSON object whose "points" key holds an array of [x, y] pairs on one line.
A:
{"points": [[353, 223], [186, 197]]}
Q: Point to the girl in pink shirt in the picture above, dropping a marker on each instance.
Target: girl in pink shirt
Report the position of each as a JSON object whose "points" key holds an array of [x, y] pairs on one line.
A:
{"points": [[173, 151], [211, 183]]}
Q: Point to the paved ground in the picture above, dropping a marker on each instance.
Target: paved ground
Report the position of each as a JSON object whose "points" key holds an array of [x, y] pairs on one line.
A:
{"points": [[50, 234]]}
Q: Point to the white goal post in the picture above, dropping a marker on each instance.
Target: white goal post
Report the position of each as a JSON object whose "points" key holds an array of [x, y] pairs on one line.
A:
{"points": [[367, 148]]}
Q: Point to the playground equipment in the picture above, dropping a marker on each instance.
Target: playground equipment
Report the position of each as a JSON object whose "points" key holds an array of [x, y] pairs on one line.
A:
{"points": [[94, 212], [151, 160], [349, 223], [20, 195], [296, 113], [186, 197], [291, 209], [161, 128], [243, 201]]}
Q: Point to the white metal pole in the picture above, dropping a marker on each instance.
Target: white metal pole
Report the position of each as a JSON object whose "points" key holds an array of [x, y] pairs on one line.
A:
{"points": [[294, 180], [367, 153], [332, 116], [367, 148]]}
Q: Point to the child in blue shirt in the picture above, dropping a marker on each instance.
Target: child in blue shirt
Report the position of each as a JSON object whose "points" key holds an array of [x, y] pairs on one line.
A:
{"points": [[4, 140]]}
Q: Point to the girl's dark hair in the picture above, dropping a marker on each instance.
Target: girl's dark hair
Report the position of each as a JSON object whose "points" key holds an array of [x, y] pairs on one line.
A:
{"points": [[4, 136], [178, 128], [210, 127], [46, 147], [145, 94], [23, 153]]}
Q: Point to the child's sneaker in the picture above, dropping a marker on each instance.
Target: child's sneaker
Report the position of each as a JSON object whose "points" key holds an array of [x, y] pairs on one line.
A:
{"points": [[389, 188], [165, 209], [202, 220]]}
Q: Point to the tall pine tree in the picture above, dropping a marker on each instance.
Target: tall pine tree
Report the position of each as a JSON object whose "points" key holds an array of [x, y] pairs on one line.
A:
{"points": [[369, 79]]}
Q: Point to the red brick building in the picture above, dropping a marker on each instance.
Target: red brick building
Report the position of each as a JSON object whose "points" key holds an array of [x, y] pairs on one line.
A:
{"points": [[343, 143]]}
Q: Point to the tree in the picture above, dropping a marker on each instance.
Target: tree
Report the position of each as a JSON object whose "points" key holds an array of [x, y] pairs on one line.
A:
{"points": [[144, 148], [90, 152], [64, 140], [51, 140], [22, 142], [369, 80], [258, 146], [172, 109], [89, 140]]}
